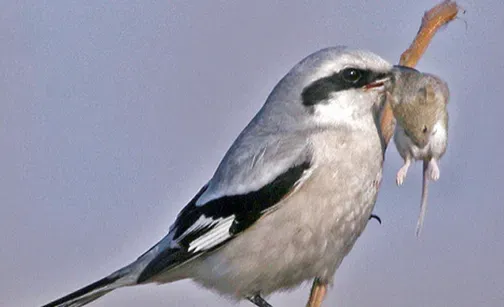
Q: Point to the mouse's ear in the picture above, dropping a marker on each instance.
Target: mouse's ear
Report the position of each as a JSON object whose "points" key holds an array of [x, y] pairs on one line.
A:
{"points": [[445, 91], [430, 93], [422, 95]]}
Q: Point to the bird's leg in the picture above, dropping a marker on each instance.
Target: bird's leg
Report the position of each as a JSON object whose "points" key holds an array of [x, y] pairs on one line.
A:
{"points": [[258, 301], [317, 294], [401, 174]]}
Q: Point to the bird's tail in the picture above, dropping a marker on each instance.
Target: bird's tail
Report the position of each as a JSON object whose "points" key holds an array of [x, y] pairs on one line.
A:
{"points": [[93, 291]]}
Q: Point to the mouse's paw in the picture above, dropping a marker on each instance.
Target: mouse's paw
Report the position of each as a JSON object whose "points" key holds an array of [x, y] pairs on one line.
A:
{"points": [[401, 174], [433, 170]]}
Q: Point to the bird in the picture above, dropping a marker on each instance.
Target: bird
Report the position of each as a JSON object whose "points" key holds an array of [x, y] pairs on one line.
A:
{"points": [[289, 198]]}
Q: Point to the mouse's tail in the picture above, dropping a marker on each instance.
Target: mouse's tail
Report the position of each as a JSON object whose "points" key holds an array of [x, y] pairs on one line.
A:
{"points": [[423, 201]]}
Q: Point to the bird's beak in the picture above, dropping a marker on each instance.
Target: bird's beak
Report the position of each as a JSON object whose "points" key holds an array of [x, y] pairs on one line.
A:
{"points": [[388, 80], [380, 81], [376, 84]]}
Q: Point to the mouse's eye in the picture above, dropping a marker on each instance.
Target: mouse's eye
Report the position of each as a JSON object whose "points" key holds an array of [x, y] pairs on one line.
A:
{"points": [[424, 130], [351, 75]]}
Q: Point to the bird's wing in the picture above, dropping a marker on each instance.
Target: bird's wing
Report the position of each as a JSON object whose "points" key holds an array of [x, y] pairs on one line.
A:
{"points": [[203, 227]]}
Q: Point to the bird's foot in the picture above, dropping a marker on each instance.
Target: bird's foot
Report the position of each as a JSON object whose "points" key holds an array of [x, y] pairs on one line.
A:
{"points": [[258, 301]]}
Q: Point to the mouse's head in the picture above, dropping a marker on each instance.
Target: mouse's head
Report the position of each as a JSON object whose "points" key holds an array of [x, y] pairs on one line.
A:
{"points": [[419, 103]]}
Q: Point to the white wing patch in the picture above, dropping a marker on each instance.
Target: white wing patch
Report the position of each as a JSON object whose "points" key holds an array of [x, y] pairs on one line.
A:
{"points": [[214, 237], [218, 233], [202, 222]]}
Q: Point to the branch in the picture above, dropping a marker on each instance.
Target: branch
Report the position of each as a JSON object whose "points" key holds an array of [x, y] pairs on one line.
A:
{"points": [[432, 20]]}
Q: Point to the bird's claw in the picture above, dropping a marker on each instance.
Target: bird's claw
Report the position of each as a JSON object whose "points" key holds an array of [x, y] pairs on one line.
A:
{"points": [[376, 217]]}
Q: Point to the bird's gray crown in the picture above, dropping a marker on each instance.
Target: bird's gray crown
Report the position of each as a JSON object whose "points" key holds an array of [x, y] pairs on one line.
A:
{"points": [[339, 68], [326, 71]]}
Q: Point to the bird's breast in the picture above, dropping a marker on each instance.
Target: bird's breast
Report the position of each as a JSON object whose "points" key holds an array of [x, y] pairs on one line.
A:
{"points": [[342, 190]]}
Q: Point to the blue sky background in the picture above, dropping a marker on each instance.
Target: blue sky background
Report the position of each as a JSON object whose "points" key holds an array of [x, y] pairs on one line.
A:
{"points": [[114, 113]]}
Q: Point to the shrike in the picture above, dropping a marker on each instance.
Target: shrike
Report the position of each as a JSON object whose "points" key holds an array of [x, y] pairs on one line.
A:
{"points": [[290, 197]]}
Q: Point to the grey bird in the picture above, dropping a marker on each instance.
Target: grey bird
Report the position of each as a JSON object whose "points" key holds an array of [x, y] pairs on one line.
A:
{"points": [[290, 197]]}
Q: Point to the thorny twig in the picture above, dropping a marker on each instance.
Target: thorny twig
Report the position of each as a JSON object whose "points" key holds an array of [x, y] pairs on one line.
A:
{"points": [[433, 19]]}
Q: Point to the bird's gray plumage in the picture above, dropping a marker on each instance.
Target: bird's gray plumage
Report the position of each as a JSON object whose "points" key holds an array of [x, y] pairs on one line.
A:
{"points": [[314, 165]]}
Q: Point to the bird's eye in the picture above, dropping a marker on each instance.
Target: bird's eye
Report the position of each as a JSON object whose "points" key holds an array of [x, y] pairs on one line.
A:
{"points": [[424, 130], [351, 75]]}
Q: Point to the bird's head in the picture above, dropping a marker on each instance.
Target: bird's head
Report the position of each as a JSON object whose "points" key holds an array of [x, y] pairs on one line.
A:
{"points": [[334, 87]]}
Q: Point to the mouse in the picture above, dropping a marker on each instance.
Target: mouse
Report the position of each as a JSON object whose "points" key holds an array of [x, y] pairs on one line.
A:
{"points": [[419, 104]]}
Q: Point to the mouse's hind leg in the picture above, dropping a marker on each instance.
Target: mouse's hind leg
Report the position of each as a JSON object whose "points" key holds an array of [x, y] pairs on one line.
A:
{"points": [[433, 170], [401, 174]]}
